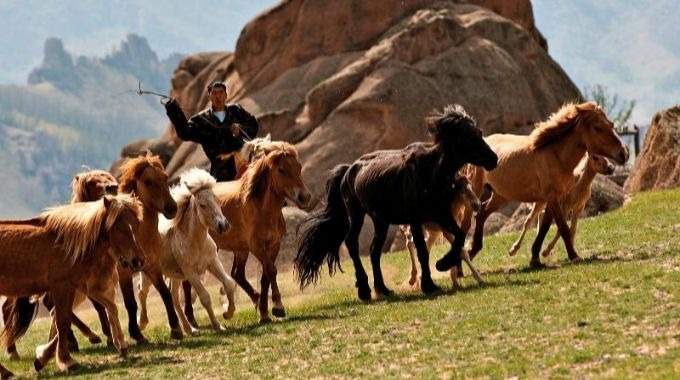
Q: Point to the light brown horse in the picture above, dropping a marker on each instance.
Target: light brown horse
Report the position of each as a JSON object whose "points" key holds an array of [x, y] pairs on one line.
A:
{"points": [[54, 253], [145, 178], [86, 187], [252, 204], [539, 167]]}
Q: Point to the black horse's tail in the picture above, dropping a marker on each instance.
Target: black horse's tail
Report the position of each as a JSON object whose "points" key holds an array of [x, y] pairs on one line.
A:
{"points": [[18, 314], [323, 232]]}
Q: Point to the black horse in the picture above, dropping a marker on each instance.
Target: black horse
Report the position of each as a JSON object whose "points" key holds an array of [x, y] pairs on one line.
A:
{"points": [[411, 186]]}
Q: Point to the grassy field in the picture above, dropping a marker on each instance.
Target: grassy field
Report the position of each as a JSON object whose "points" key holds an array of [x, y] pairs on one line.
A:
{"points": [[614, 315]]}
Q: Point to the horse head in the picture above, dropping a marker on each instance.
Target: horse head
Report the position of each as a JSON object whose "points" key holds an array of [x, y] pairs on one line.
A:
{"points": [[122, 224], [92, 185], [198, 191], [600, 164], [286, 175], [598, 133], [458, 134], [146, 178]]}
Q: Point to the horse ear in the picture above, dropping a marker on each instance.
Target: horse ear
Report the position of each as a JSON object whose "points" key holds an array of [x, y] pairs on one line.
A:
{"points": [[268, 137]]}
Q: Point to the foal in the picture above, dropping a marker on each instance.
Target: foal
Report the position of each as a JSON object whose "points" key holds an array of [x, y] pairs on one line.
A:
{"points": [[411, 186], [188, 250], [573, 202]]}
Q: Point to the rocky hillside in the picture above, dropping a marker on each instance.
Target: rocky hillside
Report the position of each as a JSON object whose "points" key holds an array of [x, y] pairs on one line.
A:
{"points": [[74, 111], [366, 80]]}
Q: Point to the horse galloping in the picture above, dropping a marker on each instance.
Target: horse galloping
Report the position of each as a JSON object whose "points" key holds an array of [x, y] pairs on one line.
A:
{"points": [[54, 253], [411, 186], [188, 250]]}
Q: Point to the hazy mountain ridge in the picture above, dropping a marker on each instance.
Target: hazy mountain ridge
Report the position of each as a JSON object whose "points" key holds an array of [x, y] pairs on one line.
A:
{"points": [[75, 111]]}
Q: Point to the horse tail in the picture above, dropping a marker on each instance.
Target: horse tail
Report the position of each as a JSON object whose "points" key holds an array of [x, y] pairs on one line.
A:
{"points": [[323, 232], [18, 314]]}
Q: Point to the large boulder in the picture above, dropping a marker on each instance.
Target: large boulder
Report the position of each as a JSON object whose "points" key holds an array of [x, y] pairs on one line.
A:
{"points": [[658, 166]]}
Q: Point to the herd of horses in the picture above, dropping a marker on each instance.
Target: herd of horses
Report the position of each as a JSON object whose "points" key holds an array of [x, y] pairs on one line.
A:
{"points": [[114, 228]]}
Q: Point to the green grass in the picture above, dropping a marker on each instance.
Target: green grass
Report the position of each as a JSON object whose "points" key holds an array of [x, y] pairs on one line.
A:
{"points": [[614, 315]]}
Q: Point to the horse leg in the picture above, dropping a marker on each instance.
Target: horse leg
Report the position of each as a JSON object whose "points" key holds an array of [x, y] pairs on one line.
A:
{"points": [[128, 292], [106, 297], [188, 303], [277, 305], [63, 305], [103, 321], [228, 285], [156, 278], [204, 297], [535, 212], [5, 373], [412, 254], [175, 285], [564, 230], [72, 341], [268, 272], [543, 229], [380, 233], [238, 272], [491, 206], [356, 221], [142, 294], [11, 350], [80, 325], [426, 284]]}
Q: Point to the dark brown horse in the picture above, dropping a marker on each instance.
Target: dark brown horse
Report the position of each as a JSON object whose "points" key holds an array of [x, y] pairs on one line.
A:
{"points": [[411, 186]]}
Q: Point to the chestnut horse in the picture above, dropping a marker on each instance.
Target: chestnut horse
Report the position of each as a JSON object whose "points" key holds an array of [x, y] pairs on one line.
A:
{"points": [[85, 187], [252, 204], [411, 186], [145, 178], [539, 168], [54, 253]]}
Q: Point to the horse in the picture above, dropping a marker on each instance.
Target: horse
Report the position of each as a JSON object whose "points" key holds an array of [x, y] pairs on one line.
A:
{"points": [[146, 179], [252, 204], [188, 250], [411, 186], [54, 253], [539, 168], [573, 202], [432, 232], [85, 187]]}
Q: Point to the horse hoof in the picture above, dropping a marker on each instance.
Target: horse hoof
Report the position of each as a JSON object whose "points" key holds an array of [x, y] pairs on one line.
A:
{"points": [[265, 320], [279, 312], [95, 339], [384, 293], [429, 287], [192, 322], [576, 259], [124, 352], [109, 343], [536, 264], [443, 265], [176, 335], [73, 347], [364, 293], [38, 365], [139, 338]]}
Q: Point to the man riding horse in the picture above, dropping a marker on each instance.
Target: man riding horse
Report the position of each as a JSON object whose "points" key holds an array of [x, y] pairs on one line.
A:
{"points": [[221, 129]]}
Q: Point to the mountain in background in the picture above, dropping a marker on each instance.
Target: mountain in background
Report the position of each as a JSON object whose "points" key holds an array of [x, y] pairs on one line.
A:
{"points": [[74, 111]]}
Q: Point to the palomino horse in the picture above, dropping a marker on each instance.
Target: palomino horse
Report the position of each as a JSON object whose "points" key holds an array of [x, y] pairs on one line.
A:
{"points": [[54, 253], [19, 312], [411, 186], [252, 204], [539, 168], [188, 250], [466, 198], [145, 178], [573, 202]]}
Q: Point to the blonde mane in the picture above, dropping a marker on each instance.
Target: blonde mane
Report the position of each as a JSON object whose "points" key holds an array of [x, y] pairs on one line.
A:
{"points": [[133, 168], [256, 178], [559, 124], [191, 182], [79, 226]]}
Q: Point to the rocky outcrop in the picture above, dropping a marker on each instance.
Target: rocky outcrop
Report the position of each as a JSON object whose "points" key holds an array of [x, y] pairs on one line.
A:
{"points": [[658, 166], [366, 80]]}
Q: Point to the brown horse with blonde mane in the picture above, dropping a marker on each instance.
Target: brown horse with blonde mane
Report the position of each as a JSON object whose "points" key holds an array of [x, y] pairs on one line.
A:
{"points": [[539, 168], [146, 179], [19, 312], [54, 253], [252, 204]]}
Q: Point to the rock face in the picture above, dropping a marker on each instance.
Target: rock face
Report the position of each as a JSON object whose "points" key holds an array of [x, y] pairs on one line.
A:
{"points": [[366, 80], [658, 166]]}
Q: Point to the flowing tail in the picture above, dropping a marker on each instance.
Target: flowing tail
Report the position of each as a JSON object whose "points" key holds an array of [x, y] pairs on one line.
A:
{"points": [[323, 232], [18, 314]]}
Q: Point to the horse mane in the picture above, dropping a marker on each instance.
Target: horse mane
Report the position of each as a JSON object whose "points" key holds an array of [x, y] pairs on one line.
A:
{"points": [[259, 146], [256, 177], [79, 226], [133, 168], [559, 124], [191, 182], [452, 115], [79, 184]]}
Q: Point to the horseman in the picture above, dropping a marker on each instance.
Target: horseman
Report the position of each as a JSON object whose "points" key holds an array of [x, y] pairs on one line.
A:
{"points": [[221, 129]]}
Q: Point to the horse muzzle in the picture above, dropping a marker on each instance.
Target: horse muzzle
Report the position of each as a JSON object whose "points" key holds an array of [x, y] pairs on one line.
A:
{"points": [[136, 264], [223, 226], [170, 210], [622, 157], [302, 198]]}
